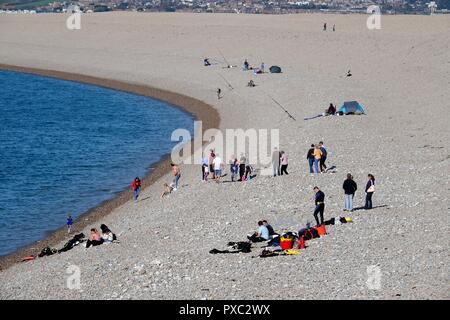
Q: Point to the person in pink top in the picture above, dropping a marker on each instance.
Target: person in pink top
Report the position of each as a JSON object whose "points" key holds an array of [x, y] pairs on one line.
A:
{"points": [[284, 162], [95, 238]]}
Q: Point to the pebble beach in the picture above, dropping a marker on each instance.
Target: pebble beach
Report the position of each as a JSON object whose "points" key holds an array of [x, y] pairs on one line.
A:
{"points": [[400, 73]]}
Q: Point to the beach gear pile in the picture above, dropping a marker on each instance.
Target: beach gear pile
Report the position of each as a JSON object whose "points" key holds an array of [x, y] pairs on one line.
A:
{"points": [[69, 245], [288, 243]]}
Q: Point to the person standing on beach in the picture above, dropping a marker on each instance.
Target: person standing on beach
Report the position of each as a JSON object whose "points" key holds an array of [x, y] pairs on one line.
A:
{"points": [[370, 189], [234, 167], [350, 188], [319, 201], [212, 155], [325, 26], [242, 167], [262, 67], [177, 175], [284, 163], [136, 186], [323, 158], [217, 167], [219, 91], [69, 223], [275, 162], [317, 157], [334, 27], [205, 164], [310, 158]]}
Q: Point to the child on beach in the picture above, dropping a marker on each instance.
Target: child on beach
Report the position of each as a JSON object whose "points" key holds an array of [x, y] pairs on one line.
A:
{"points": [[69, 223], [167, 189], [177, 175], [136, 186]]}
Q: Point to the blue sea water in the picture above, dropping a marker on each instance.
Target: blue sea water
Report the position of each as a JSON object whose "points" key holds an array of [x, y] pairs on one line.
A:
{"points": [[67, 147]]}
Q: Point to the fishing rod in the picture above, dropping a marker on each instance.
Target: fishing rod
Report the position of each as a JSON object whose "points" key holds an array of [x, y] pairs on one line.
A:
{"points": [[279, 104], [229, 84], [225, 59]]}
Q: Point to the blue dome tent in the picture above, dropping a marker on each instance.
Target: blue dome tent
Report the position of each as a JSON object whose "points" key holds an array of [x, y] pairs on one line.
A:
{"points": [[351, 107]]}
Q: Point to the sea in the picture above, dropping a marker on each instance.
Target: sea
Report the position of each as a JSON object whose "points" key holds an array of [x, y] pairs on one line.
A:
{"points": [[66, 147]]}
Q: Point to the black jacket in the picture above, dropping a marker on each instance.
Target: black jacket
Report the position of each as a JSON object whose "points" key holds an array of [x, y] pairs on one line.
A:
{"points": [[320, 197], [349, 186], [310, 154]]}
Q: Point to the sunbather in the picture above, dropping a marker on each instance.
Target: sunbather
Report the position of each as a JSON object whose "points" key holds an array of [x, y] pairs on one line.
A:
{"points": [[262, 234]]}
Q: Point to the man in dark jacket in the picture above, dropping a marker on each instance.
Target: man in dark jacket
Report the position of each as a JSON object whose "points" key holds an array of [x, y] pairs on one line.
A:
{"points": [[310, 158], [323, 158], [350, 188], [319, 201]]}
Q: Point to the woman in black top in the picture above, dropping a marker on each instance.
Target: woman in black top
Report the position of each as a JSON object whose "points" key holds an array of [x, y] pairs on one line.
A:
{"points": [[310, 158], [370, 189]]}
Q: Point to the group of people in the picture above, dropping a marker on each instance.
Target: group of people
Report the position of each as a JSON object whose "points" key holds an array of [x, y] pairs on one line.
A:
{"points": [[96, 238], [265, 231], [213, 164], [259, 70], [316, 156]]}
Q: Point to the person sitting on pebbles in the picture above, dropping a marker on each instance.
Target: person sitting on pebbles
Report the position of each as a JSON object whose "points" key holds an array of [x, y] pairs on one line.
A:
{"points": [[107, 234], [251, 84], [95, 239], [261, 235]]}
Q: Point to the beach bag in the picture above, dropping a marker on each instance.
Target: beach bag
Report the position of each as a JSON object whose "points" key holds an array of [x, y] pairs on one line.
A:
{"points": [[309, 234], [47, 251], [300, 243], [321, 230], [286, 242], [371, 189]]}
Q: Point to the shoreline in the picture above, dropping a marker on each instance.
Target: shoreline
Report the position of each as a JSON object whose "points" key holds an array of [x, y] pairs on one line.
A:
{"points": [[198, 109]]}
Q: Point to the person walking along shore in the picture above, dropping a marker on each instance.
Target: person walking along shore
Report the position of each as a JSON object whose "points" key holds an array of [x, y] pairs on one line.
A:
{"points": [[136, 186]]}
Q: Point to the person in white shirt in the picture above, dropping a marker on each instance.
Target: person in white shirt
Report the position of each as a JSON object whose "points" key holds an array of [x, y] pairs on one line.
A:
{"points": [[217, 162]]}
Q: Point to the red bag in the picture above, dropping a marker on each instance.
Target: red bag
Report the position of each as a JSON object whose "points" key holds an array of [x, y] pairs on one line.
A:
{"points": [[301, 243], [286, 243], [321, 230]]}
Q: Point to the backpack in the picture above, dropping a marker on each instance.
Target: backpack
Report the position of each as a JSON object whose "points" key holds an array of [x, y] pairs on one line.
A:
{"points": [[47, 251], [309, 234]]}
